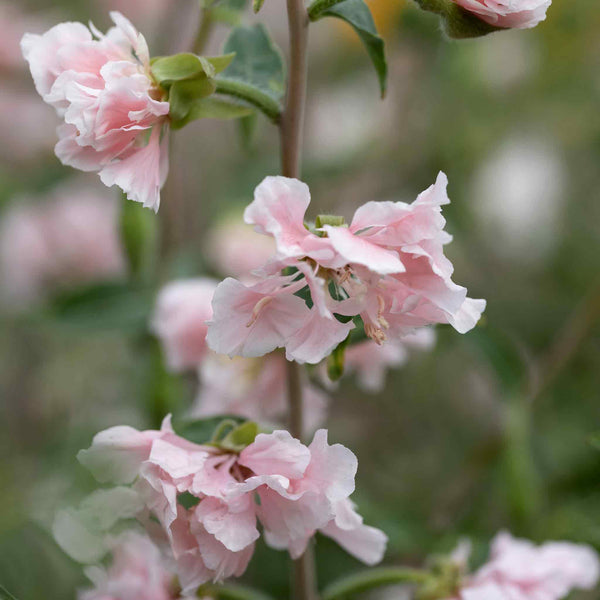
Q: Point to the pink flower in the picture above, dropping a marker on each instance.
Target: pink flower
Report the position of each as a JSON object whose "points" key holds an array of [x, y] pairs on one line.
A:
{"points": [[103, 89], [69, 240], [518, 14], [254, 388], [182, 311], [137, 572], [302, 490], [388, 267], [519, 570]]}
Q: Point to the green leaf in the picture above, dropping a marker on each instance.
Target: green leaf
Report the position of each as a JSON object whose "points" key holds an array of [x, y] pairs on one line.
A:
{"points": [[257, 73], [350, 586], [257, 5], [185, 94], [458, 22], [357, 14], [101, 307], [5, 594], [202, 431], [247, 129], [213, 108], [228, 11]]}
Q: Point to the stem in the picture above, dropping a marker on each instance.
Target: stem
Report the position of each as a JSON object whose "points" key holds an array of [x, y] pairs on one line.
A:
{"points": [[204, 31], [292, 121], [293, 117], [362, 582]]}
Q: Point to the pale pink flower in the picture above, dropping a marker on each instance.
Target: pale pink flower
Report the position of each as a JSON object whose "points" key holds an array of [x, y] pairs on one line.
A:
{"points": [[136, 572], [302, 490], [180, 321], [69, 239], [103, 89], [255, 388], [518, 14], [388, 267], [519, 570], [236, 249]]}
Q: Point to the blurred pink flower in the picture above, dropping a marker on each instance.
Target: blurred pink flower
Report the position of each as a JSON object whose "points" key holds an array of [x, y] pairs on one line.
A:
{"points": [[255, 388], [519, 570], [104, 91], [70, 239], [182, 311], [388, 267], [36, 132], [301, 490], [137, 572], [518, 14], [236, 250]]}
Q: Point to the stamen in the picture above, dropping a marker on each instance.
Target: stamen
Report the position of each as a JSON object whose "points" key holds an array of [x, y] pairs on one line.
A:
{"points": [[258, 309]]}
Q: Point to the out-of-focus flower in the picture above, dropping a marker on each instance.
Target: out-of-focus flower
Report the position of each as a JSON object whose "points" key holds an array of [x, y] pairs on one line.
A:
{"points": [[388, 267], [522, 214], [255, 388], [137, 572], [235, 249], [371, 362], [182, 311], [300, 489], [36, 132], [517, 14], [69, 239], [113, 112], [519, 569]]}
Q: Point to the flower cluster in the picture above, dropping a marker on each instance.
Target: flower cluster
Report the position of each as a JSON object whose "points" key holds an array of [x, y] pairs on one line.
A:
{"points": [[211, 536], [508, 14], [519, 570], [113, 112], [387, 267]]}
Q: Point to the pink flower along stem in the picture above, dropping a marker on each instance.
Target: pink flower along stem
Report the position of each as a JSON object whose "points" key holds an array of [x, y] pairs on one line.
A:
{"points": [[291, 126]]}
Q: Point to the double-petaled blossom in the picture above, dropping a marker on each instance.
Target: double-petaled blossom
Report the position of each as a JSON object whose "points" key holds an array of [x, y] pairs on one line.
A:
{"points": [[517, 14], [136, 572], [70, 239], [300, 490], [387, 267], [113, 112], [255, 388], [519, 570]]}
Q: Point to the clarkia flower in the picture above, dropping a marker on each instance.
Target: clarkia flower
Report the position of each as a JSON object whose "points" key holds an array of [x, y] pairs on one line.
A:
{"points": [[519, 570], [113, 112], [211, 536], [517, 14], [387, 267]]}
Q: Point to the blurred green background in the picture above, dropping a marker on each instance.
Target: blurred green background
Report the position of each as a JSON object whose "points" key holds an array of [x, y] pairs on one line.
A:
{"points": [[488, 431]]}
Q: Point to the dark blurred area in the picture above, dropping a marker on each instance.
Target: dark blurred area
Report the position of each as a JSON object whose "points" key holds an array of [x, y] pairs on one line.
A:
{"points": [[487, 431]]}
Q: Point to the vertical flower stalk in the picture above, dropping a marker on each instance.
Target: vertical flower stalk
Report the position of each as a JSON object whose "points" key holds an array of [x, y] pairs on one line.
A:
{"points": [[291, 129]]}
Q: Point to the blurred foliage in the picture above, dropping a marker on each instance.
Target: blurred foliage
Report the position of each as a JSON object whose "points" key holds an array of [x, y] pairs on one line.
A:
{"points": [[458, 444]]}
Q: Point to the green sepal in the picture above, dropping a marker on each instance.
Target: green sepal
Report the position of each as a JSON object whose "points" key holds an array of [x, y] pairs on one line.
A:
{"points": [[333, 220], [179, 67], [202, 431], [458, 23], [335, 361], [184, 95], [358, 15], [240, 437]]}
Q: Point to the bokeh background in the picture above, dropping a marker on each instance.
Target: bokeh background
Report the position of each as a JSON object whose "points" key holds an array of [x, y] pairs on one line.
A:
{"points": [[488, 431]]}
